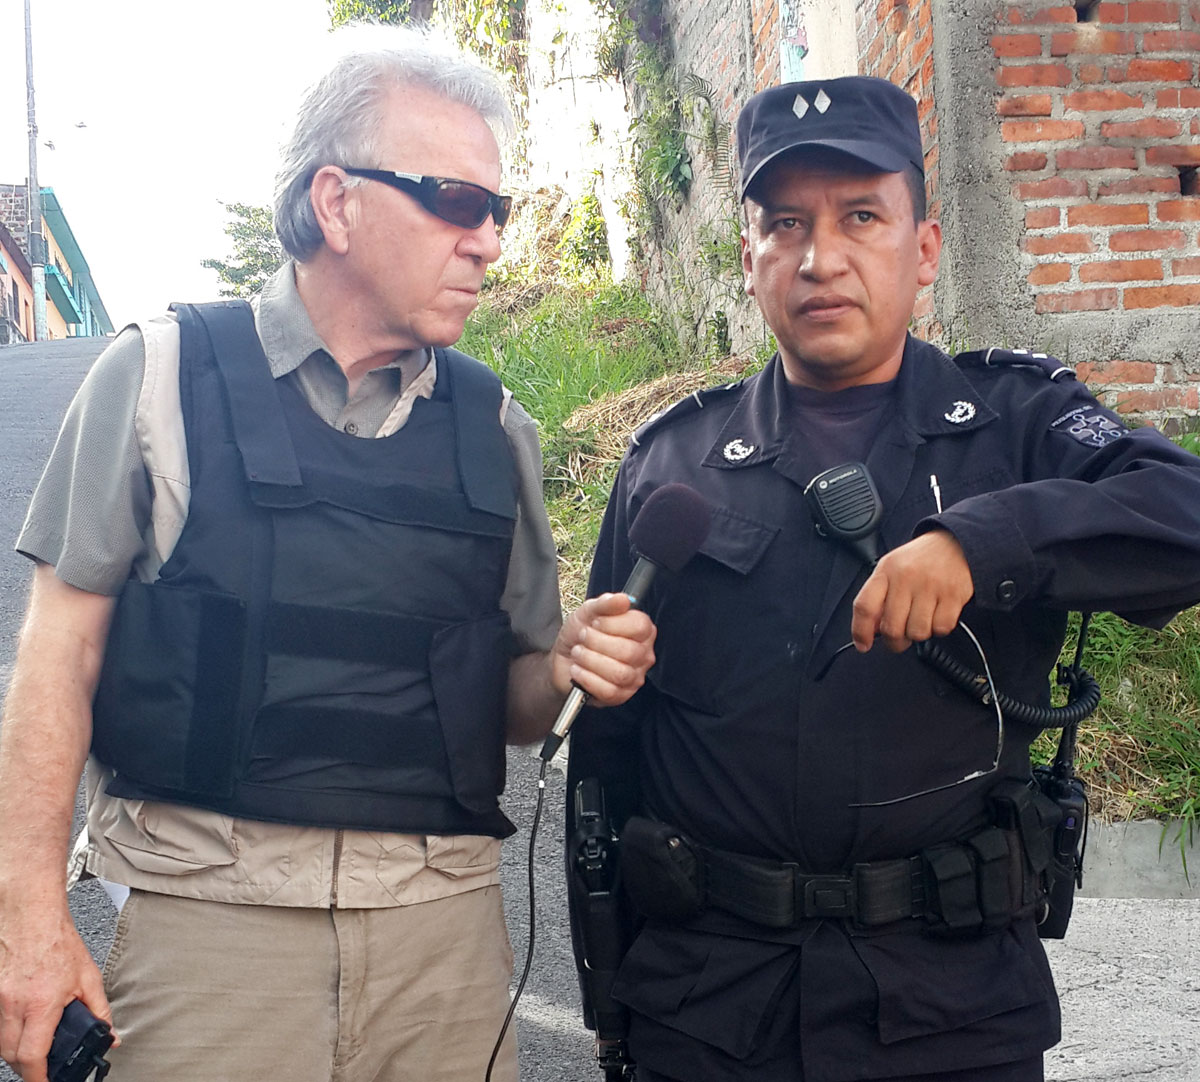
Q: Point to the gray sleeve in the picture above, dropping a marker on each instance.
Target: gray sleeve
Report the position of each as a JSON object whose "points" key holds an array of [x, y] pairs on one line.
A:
{"points": [[92, 505], [531, 595]]}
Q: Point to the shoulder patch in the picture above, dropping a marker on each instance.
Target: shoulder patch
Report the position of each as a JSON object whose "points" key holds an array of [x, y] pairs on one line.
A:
{"points": [[685, 407], [995, 357], [1091, 425]]}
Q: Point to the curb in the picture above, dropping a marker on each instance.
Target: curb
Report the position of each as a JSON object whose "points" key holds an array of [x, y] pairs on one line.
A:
{"points": [[1140, 860]]}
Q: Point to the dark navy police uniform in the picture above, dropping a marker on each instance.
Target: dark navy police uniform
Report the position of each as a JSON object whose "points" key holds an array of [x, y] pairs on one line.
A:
{"points": [[755, 735]]}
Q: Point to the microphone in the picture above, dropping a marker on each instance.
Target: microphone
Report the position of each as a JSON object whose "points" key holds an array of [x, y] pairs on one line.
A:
{"points": [[666, 532]]}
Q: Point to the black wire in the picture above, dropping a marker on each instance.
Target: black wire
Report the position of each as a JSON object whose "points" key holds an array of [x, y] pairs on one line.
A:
{"points": [[537, 816]]}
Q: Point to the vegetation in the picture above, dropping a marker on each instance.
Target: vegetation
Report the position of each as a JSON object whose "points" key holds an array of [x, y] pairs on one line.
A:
{"points": [[257, 253]]}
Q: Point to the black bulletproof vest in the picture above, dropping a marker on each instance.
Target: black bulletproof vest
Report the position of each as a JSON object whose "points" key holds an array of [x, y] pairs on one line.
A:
{"points": [[325, 645]]}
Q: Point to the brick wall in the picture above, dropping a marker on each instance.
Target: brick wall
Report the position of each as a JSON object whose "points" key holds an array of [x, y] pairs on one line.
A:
{"points": [[895, 42], [1100, 125], [14, 213]]}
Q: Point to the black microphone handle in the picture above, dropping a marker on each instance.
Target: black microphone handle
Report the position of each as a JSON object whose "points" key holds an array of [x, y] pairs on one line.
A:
{"points": [[636, 587]]}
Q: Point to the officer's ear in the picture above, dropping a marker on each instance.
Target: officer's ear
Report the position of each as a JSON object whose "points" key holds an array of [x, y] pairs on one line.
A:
{"points": [[929, 250], [335, 206]]}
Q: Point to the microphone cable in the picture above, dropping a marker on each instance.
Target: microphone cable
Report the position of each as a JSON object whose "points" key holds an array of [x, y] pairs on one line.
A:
{"points": [[512, 1008]]}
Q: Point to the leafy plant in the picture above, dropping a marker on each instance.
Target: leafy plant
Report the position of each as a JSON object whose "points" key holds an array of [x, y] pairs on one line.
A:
{"points": [[257, 253]]}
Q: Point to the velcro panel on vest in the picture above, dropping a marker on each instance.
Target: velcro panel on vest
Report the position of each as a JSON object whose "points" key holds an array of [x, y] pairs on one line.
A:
{"points": [[347, 736], [165, 710], [473, 712], [380, 638], [262, 434]]}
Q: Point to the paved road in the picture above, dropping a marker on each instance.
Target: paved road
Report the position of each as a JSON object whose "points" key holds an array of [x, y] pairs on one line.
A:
{"points": [[1129, 972]]}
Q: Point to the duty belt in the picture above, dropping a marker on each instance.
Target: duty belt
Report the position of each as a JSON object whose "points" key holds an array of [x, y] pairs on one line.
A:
{"points": [[980, 883], [780, 895]]}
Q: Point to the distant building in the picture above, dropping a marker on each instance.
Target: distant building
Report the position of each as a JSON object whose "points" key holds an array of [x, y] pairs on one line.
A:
{"points": [[73, 305]]}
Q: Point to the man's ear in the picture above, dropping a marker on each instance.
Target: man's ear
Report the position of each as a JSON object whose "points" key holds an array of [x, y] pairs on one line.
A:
{"points": [[747, 264], [334, 205], [929, 248]]}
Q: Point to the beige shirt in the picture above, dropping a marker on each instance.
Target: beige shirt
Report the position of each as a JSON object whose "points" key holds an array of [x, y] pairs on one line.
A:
{"points": [[113, 501]]}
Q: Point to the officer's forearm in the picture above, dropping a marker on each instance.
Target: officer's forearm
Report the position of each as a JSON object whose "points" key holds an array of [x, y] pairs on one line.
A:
{"points": [[533, 700]]}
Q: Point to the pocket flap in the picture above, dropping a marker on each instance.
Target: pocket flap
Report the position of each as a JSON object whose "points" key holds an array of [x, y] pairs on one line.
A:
{"points": [[716, 990]]}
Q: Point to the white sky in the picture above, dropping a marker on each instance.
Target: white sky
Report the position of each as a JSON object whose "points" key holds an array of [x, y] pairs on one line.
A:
{"points": [[186, 104]]}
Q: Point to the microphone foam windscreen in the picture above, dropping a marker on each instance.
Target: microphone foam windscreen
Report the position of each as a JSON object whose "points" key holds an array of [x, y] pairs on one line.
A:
{"points": [[671, 526]]}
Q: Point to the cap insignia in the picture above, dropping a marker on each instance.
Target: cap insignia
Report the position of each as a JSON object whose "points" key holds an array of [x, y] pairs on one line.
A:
{"points": [[799, 107], [821, 101]]}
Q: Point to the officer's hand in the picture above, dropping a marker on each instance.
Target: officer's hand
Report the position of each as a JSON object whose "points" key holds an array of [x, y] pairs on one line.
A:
{"points": [[916, 591], [43, 966], [606, 646]]}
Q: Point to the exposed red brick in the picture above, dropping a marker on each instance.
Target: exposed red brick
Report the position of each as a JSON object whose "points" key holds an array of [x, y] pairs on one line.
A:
{"points": [[1150, 127], [1175, 154], [1049, 274], [1179, 210], [1097, 100], [1026, 160], [1141, 70], [1059, 244], [1084, 300], [1146, 240], [1091, 73], [1025, 105], [1189, 97], [1050, 188], [1035, 131], [1089, 38], [1111, 13], [1109, 214], [1009, 45], [1097, 158], [1145, 401], [1167, 99], [1171, 41], [1122, 270], [923, 306], [1152, 11], [1190, 265], [1117, 371], [1035, 75], [1043, 218], [1139, 186]]}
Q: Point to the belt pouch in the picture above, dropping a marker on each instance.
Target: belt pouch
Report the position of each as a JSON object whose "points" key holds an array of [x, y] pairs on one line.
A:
{"points": [[950, 887], [994, 876], [662, 873]]}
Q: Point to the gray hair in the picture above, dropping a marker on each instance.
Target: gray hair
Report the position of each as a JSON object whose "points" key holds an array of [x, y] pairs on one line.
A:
{"points": [[340, 114]]}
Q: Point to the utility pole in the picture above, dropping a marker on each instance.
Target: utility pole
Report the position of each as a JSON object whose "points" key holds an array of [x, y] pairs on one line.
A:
{"points": [[37, 242]]}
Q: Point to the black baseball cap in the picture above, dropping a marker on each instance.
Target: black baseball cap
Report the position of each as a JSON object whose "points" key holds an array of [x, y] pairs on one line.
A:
{"points": [[869, 119]]}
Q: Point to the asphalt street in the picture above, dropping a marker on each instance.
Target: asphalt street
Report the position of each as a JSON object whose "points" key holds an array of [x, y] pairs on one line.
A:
{"points": [[1128, 973]]}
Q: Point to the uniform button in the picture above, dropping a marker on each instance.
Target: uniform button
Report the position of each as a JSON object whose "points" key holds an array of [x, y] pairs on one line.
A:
{"points": [[1006, 591], [351, 428]]}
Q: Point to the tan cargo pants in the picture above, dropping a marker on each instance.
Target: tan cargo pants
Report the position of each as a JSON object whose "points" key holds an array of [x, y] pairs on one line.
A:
{"points": [[208, 992]]}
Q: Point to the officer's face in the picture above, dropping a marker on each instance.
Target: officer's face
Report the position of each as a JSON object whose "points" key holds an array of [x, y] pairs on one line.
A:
{"points": [[834, 259], [416, 278]]}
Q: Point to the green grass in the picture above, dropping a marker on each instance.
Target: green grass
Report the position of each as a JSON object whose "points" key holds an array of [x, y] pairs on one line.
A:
{"points": [[559, 348]]}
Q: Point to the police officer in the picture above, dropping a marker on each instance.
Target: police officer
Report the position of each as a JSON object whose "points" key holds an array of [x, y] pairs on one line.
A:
{"points": [[833, 852]]}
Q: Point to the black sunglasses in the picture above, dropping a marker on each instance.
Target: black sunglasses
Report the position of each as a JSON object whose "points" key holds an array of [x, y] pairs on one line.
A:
{"points": [[458, 202]]}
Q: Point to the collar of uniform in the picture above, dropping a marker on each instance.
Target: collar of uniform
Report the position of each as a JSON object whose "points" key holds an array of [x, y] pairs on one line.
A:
{"points": [[934, 396], [757, 428], [289, 337]]}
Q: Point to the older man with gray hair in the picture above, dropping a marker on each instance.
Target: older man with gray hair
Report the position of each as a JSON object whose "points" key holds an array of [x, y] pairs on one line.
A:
{"points": [[294, 586]]}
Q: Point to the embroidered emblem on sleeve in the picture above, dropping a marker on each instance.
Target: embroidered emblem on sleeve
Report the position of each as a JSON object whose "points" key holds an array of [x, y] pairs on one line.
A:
{"points": [[737, 451], [961, 413], [1090, 426]]}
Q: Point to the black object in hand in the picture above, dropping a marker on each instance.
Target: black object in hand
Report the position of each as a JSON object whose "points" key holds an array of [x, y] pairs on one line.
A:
{"points": [[79, 1045]]}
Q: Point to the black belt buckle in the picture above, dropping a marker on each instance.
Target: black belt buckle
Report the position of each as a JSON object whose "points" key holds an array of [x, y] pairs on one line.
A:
{"points": [[826, 896]]}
